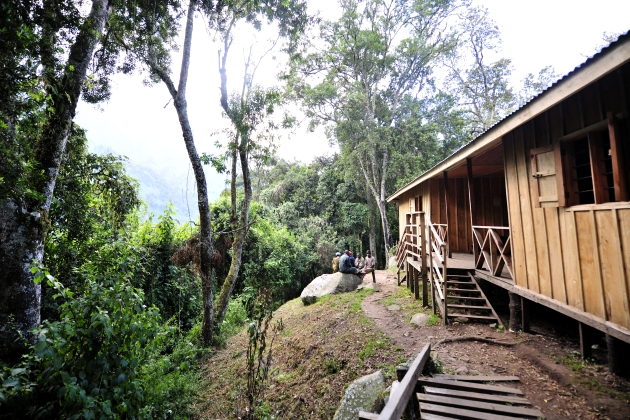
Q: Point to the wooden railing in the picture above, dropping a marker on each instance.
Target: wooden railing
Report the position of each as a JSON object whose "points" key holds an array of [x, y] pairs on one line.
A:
{"points": [[438, 234], [402, 396], [491, 247]]}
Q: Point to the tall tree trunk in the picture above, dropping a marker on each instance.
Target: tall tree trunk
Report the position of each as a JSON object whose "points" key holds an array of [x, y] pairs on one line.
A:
{"points": [[205, 227], [239, 236], [23, 226], [241, 144], [372, 222], [377, 187]]}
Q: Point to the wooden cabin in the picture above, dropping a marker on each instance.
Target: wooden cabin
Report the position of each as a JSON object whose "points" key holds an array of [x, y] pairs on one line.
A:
{"points": [[539, 203]]}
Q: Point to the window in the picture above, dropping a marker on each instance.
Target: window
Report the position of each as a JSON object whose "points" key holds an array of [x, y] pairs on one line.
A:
{"points": [[582, 168]]}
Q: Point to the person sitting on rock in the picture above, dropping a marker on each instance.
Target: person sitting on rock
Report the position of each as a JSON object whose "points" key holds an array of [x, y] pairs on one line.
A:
{"points": [[351, 258], [345, 266], [359, 262], [369, 266], [335, 262]]}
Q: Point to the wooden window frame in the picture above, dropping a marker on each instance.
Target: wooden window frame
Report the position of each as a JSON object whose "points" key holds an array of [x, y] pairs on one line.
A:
{"points": [[567, 193]]}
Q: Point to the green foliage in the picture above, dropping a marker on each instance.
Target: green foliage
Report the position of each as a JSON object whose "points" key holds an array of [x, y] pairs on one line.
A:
{"points": [[371, 348], [107, 357], [235, 317], [93, 199], [170, 373], [86, 365], [331, 366], [434, 319]]}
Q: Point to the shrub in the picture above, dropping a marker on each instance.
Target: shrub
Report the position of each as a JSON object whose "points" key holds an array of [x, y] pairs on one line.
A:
{"points": [[87, 364]]}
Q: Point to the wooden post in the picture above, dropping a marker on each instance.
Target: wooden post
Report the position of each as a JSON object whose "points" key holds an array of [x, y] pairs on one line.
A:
{"points": [[471, 204], [586, 341], [407, 273], [516, 321], [448, 220], [524, 315], [431, 280], [444, 284], [618, 351], [416, 283], [423, 252]]}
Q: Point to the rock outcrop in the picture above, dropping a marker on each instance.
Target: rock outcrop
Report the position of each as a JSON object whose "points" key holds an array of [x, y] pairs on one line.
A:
{"points": [[363, 394], [329, 284]]}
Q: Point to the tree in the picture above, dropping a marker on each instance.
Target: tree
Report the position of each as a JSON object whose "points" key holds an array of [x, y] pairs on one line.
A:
{"points": [[154, 55], [372, 57], [533, 86], [483, 89], [246, 111], [49, 63]]}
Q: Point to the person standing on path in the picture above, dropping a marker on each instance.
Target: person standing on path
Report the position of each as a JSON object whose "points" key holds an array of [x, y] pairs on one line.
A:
{"points": [[335, 262], [369, 265]]}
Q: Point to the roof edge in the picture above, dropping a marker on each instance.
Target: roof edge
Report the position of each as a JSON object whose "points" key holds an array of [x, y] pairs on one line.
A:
{"points": [[602, 63]]}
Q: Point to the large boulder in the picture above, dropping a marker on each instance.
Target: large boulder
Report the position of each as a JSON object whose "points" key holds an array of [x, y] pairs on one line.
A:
{"points": [[327, 284], [363, 394], [392, 262]]}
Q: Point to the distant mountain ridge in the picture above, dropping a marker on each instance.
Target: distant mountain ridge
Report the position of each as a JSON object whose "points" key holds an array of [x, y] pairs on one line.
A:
{"points": [[162, 184]]}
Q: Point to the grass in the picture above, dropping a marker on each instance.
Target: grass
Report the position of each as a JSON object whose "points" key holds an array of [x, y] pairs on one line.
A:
{"points": [[576, 365], [371, 348], [331, 344], [404, 298], [433, 320]]}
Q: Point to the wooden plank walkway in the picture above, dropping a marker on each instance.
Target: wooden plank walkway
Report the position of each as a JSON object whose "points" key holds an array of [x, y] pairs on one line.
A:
{"points": [[468, 397], [463, 397]]}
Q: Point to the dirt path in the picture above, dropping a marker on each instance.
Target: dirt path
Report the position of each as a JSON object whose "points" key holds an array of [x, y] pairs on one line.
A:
{"points": [[552, 386]]}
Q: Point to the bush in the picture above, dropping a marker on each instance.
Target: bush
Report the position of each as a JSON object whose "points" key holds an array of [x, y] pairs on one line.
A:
{"points": [[169, 373], [235, 317], [87, 364]]}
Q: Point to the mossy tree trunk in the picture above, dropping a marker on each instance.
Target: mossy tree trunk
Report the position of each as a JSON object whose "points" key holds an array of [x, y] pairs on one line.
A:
{"points": [[24, 223]]}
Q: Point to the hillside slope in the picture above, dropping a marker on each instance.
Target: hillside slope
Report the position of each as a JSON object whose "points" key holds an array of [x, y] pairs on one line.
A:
{"points": [[323, 348]]}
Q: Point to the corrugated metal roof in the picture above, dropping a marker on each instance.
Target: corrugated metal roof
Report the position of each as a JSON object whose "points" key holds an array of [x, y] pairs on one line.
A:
{"points": [[621, 38]]}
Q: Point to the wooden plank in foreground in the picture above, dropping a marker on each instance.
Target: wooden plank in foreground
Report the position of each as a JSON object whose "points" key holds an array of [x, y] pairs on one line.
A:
{"points": [[429, 416], [476, 396], [400, 396], [465, 386], [364, 415], [496, 408], [478, 378], [461, 413]]}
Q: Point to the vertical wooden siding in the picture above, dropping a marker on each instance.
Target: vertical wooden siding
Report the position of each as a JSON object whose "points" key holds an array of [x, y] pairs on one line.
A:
{"points": [[578, 256]]}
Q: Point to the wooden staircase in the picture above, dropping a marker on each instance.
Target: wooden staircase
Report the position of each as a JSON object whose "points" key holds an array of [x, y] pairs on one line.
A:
{"points": [[465, 299], [423, 253]]}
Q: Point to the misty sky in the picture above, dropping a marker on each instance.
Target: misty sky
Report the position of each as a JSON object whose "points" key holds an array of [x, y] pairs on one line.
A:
{"points": [[138, 123]]}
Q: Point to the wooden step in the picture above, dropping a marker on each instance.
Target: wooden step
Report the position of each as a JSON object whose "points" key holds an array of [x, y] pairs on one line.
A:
{"points": [[460, 413], [459, 282], [471, 316], [479, 406], [477, 396], [466, 298], [464, 290], [477, 378], [465, 386], [429, 416], [487, 308]]}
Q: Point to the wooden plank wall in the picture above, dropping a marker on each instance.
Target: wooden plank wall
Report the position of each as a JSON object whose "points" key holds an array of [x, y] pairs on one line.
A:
{"points": [[404, 204], [490, 207], [578, 256]]}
